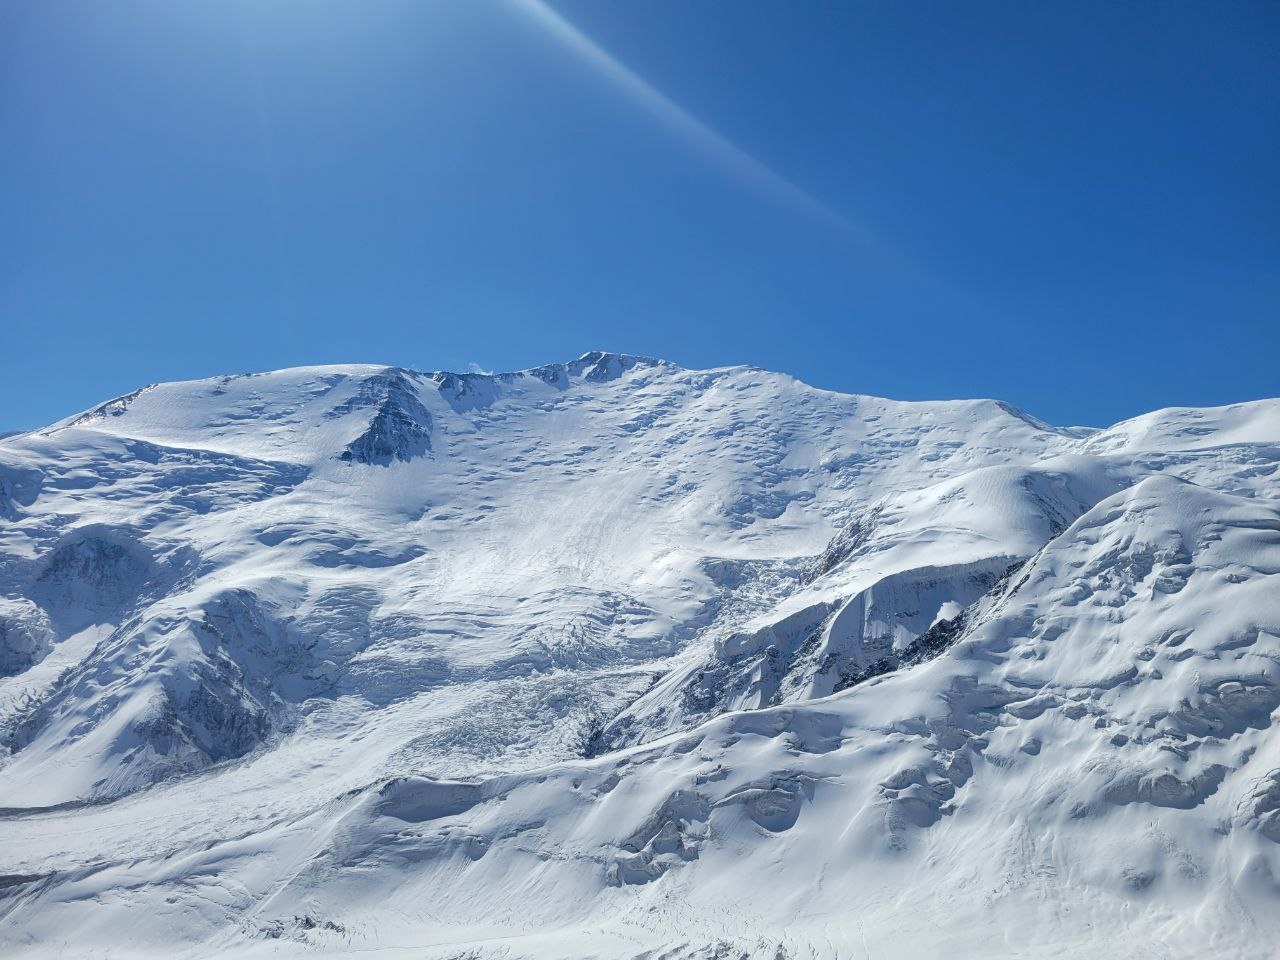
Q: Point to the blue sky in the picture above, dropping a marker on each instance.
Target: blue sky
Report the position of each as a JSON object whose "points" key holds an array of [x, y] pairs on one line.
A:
{"points": [[1070, 206]]}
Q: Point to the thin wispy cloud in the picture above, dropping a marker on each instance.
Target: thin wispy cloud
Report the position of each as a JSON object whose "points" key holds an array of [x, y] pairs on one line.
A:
{"points": [[704, 139]]}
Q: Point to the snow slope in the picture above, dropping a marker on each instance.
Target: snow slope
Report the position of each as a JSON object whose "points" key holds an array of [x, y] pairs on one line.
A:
{"points": [[613, 658]]}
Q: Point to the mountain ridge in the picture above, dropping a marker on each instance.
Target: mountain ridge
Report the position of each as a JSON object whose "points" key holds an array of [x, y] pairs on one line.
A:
{"points": [[589, 360], [621, 632]]}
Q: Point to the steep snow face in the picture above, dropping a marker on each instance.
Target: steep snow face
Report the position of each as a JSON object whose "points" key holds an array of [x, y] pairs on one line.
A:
{"points": [[374, 536], [611, 657]]}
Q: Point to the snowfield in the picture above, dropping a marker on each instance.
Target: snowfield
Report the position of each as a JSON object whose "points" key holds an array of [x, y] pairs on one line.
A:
{"points": [[617, 659]]}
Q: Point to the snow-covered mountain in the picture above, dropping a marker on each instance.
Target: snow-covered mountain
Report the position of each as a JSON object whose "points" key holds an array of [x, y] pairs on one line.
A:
{"points": [[612, 658]]}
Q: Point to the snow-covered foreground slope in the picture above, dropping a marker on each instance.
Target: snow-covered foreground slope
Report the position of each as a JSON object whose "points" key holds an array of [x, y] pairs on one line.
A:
{"points": [[612, 658]]}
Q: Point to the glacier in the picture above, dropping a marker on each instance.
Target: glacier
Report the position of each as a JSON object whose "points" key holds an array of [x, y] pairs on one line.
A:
{"points": [[612, 658]]}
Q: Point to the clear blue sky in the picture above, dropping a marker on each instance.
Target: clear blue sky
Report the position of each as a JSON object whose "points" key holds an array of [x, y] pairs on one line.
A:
{"points": [[1070, 206]]}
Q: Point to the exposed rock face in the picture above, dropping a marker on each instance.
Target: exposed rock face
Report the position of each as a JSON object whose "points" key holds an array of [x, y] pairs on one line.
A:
{"points": [[400, 428]]}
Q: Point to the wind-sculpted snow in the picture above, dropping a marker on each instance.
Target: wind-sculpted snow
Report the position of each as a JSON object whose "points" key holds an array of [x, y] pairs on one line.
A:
{"points": [[616, 659]]}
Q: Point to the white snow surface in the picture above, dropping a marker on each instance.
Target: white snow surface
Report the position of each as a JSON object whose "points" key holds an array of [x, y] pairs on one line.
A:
{"points": [[617, 659]]}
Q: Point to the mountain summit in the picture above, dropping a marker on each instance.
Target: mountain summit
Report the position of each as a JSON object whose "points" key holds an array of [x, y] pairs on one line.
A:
{"points": [[613, 658]]}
